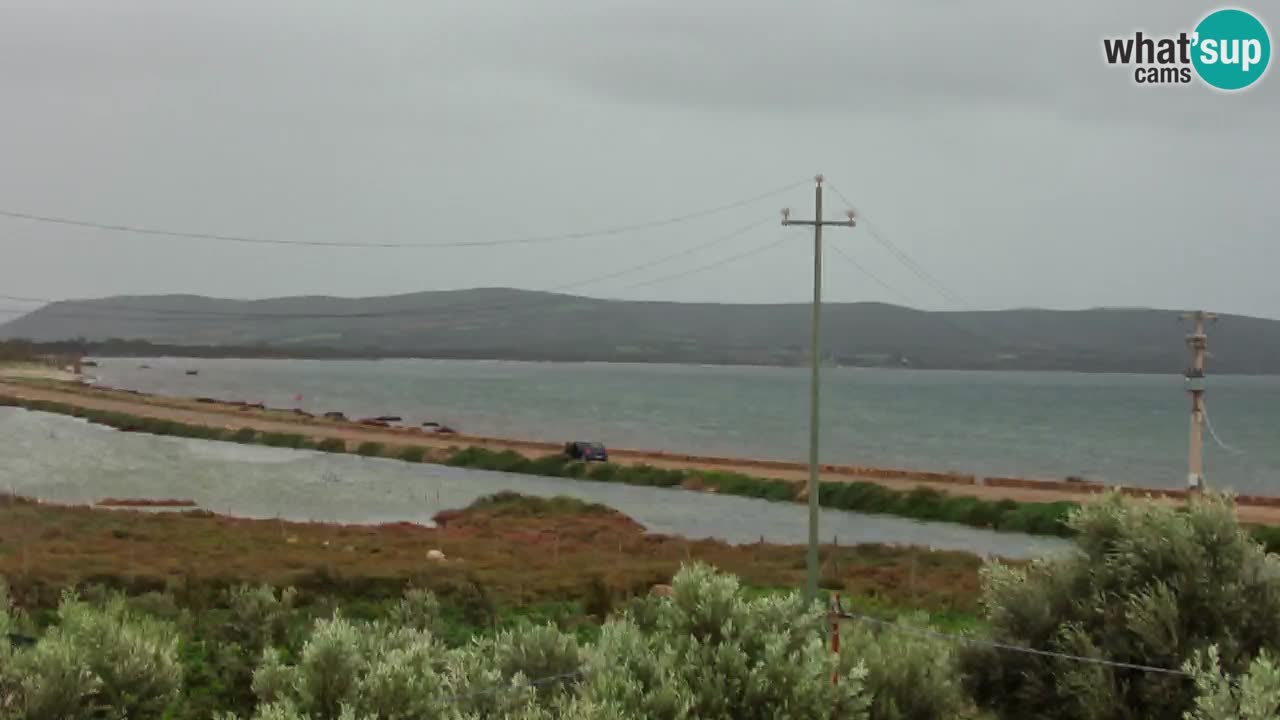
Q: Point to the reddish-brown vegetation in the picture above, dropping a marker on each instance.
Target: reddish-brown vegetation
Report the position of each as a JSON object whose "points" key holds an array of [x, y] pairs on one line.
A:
{"points": [[145, 502], [518, 557]]}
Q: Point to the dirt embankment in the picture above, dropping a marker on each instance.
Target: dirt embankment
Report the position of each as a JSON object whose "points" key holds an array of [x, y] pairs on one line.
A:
{"points": [[234, 416]]}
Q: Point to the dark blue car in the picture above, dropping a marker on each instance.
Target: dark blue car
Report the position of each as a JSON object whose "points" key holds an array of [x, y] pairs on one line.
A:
{"points": [[587, 451]]}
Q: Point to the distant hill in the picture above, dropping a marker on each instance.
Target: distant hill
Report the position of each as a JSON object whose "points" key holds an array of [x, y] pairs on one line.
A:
{"points": [[517, 324]]}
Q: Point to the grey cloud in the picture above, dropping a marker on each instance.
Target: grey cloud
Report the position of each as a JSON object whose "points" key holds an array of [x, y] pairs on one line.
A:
{"points": [[881, 57], [990, 141]]}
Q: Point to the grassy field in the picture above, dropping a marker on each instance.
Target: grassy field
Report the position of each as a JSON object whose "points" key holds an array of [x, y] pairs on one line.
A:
{"points": [[503, 553]]}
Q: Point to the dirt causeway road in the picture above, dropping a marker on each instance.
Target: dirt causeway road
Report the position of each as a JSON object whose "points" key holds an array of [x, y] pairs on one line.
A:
{"points": [[226, 415]]}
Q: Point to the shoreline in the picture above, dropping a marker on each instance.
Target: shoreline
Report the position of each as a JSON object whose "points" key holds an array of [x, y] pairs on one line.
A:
{"points": [[233, 416]]}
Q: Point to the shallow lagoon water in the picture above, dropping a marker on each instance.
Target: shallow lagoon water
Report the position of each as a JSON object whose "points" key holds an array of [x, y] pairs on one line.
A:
{"points": [[1122, 429], [65, 459]]}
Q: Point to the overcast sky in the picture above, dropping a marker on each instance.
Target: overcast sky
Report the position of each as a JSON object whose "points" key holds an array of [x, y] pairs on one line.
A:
{"points": [[988, 140]]}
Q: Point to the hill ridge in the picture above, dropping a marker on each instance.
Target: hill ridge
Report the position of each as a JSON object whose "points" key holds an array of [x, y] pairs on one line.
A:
{"points": [[506, 323]]}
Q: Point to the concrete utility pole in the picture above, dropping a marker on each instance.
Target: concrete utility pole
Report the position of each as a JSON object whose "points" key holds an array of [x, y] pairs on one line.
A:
{"points": [[811, 586], [1197, 341]]}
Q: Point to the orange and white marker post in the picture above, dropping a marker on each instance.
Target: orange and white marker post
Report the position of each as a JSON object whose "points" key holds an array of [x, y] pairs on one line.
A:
{"points": [[835, 635]]}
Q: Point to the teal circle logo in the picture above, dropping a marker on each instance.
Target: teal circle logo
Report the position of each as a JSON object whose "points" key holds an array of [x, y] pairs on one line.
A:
{"points": [[1231, 49]]}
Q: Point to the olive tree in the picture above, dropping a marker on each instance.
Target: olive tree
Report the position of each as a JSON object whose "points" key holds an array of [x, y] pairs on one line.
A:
{"points": [[1148, 584], [8, 678], [1253, 696], [909, 675], [708, 652], [96, 662], [345, 668], [380, 671]]}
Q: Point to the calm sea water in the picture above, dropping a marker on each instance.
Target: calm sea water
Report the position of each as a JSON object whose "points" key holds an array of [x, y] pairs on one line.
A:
{"points": [[63, 459], [1118, 428]]}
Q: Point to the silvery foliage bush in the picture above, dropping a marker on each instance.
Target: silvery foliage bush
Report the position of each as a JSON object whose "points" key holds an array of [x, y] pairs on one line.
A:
{"points": [[96, 662], [709, 653], [1148, 584], [569, 709], [418, 609], [909, 676], [386, 672], [543, 655], [259, 615], [1252, 696], [8, 680]]}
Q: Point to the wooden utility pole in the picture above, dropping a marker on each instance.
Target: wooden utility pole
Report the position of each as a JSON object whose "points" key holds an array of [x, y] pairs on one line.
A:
{"points": [[1198, 342], [811, 586]]}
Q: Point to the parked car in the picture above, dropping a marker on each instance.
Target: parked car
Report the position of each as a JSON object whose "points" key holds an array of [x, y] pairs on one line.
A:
{"points": [[587, 451]]}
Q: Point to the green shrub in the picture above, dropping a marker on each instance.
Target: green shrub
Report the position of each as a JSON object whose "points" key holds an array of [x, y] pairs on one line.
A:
{"points": [[258, 616], [332, 445], [375, 672], [1268, 536], [909, 676], [983, 514], [159, 427], [94, 660], [509, 461], [602, 472], [370, 449], [746, 486], [1252, 696], [1149, 585], [244, 435], [536, 652], [548, 466], [598, 598], [1047, 518], [418, 610], [467, 457], [285, 440], [508, 503], [204, 432], [679, 657], [482, 459], [412, 454]]}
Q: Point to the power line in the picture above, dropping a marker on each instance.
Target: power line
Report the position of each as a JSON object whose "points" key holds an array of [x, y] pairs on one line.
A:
{"points": [[215, 314], [872, 276], [1258, 470], [916, 268], [996, 338], [176, 315], [1209, 426], [683, 253], [709, 266], [941, 316], [966, 640], [529, 240]]}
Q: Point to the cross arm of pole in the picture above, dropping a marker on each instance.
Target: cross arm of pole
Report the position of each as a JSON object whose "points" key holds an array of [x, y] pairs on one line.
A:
{"points": [[824, 223]]}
